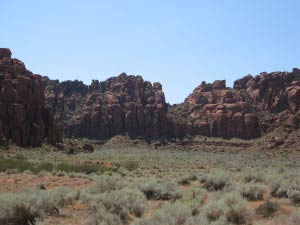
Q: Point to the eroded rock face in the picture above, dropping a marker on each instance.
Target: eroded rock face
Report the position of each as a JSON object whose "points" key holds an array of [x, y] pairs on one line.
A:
{"points": [[120, 105], [216, 111], [25, 118], [274, 92], [254, 106], [5, 53], [129, 105]]}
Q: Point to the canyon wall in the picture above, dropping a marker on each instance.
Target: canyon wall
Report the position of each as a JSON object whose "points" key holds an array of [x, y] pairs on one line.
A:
{"points": [[25, 118]]}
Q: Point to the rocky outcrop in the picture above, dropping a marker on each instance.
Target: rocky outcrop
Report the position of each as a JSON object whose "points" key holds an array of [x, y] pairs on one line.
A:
{"points": [[129, 105], [35, 108], [274, 92], [216, 111], [25, 118], [254, 106], [120, 105]]}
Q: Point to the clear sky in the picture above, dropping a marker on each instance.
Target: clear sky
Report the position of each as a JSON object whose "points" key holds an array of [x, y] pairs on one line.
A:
{"points": [[176, 42]]}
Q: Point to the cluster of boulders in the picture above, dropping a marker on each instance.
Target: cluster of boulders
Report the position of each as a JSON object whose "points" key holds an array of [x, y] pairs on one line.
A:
{"points": [[25, 118]]}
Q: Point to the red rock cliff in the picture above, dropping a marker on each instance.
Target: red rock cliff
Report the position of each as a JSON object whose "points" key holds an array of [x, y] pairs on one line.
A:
{"points": [[25, 119], [120, 105]]}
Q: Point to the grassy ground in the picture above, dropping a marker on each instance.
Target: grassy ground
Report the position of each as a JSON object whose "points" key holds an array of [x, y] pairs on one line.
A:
{"points": [[132, 182]]}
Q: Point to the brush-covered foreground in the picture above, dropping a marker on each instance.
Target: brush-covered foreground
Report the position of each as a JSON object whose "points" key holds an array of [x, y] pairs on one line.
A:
{"points": [[133, 183]]}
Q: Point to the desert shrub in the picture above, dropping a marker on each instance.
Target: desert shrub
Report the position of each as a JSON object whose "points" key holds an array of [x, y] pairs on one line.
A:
{"points": [[11, 171], [254, 177], [133, 200], [230, 209], [294, 196], [25, 207], [287, 186], [187, 180], [253, 191], [100, 216], [213, 211], [43, 173], [154, 189], [117, 205], [171, 214], [131, 165], [105, 183], [278, 187], [293, 192], [294, 218], [237, 210], [194, 199], [216, 181], [184, 181], [268, 209]]}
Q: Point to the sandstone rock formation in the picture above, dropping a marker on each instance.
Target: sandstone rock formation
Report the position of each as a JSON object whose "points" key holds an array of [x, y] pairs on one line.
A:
{"points": [[254, 106], [25, 119], [274, 92], [129, 105], [217, 111], [120, 105], [32, 107]]}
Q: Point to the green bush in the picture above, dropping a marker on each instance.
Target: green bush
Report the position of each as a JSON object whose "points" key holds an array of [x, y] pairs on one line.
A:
{"points": [[21, 164]]}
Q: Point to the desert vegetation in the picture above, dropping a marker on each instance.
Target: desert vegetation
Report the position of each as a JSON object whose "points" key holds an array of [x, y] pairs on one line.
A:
{"points": [[141, 185]]}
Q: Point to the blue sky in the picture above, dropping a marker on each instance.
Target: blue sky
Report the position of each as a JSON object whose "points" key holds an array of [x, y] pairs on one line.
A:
{"points": [[178, 43]]}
